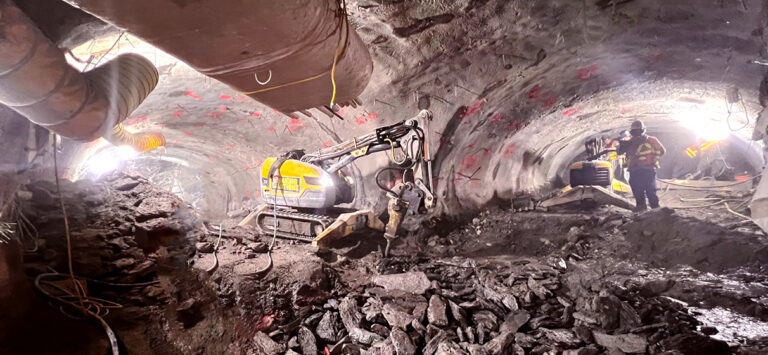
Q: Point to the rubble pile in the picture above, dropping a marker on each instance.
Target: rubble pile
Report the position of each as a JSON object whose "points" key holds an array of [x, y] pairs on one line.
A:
{"points": [[454, 306], [497, 283], [119, 227]]}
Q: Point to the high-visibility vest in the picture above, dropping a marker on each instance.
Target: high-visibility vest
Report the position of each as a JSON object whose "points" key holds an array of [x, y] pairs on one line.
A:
{"points": [[647, 155]]}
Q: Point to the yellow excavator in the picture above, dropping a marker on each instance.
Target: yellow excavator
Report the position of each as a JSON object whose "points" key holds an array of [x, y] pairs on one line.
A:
{"points": [[304, 192], [596, 180]]}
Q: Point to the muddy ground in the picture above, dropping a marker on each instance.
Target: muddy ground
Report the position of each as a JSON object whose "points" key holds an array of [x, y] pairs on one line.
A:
{"points": [[557, 282]]}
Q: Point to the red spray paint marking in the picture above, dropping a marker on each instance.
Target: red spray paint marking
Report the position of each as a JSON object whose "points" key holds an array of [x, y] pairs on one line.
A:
{"points": [[271, 129], [360, 120], [295, 124], [468, 161], [276, 112], [534, 92], [571, 111], [326, 351], [588, 72], [327, 144], [214, 114], [188, 134], [178, 113], [623, 111], [191, 94], [246, 167], [372, 116], [486, 151], [256, 114], [341, 112], [471, 146], [511, 148], [223, 108], [247, 193], [231, 145], [134, 120], [242, 99], [548, 102], [497, 117], [475, 108], [225, 97]]}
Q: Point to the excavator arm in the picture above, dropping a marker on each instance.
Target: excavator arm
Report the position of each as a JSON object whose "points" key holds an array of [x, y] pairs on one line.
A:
{"points": [[303, 191]]}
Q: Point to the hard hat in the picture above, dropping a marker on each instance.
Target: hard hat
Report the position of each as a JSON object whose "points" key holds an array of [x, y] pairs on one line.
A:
{"points": [[637, 125], [623, 134]]}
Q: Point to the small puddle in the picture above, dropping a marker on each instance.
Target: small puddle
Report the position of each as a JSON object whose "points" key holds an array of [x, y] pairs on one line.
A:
{"points": [[731, 326]]}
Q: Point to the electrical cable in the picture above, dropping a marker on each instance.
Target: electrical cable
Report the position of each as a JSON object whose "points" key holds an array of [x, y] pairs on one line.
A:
{"points": [[392, 151], [84, 303], [215, 258], [340, 56], [708, 187]]}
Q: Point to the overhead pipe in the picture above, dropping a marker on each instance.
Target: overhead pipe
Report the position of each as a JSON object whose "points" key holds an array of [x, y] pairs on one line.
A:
{"points": [[37, 82], [281, 53]]}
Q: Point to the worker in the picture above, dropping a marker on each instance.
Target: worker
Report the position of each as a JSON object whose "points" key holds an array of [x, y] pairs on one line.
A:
{"points": [[643, 154]]}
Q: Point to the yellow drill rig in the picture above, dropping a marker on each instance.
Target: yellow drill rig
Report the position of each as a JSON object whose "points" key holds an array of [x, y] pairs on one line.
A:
{"points": [[303, 192]]}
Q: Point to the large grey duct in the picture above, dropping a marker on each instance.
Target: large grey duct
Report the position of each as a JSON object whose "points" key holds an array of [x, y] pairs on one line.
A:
{"points": [[37, 82]]}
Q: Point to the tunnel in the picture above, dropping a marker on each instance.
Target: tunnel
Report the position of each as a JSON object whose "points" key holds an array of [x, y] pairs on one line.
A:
{"points": [[437, 150]]}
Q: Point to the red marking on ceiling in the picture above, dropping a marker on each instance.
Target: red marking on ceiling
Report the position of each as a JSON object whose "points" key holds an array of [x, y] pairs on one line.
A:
{"points": [[178, 113], [247, 194], [188, 134], [191, 94], [225, 97], [276, 112], [242, 99], [214, 114], [327, 144], [571, 111], [475, 108], [341, 112], [588, 72], [549, 102], [372, 116], [246, 167], [134, 120], [534, 92], [231, 145], [471, 146], [497, 117], [486, 151], [468, 161], [256, 114], [271, 129], [223, 108], [511, 148], [360, 120]]}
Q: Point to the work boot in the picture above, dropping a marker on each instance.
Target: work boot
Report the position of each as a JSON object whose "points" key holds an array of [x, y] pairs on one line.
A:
{"points": [[639, 209]]}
